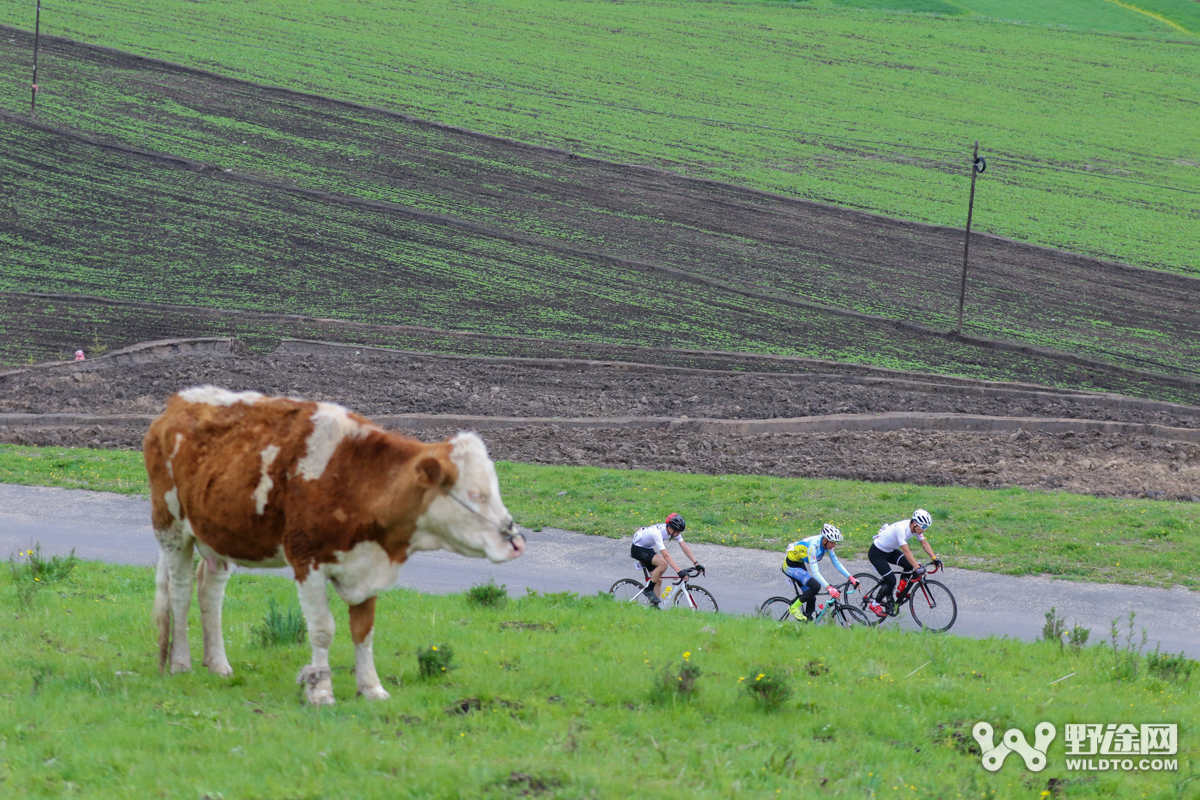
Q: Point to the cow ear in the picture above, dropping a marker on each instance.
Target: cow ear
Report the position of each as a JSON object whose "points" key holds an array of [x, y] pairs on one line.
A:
{"points": [[429, 472]]}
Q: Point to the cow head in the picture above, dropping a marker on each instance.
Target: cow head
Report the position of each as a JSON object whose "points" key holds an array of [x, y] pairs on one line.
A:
{"points": [[466, 514]]}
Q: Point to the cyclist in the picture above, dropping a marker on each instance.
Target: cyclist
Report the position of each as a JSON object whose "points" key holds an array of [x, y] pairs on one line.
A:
{"points": [[650, 549], [891, 545], [800, 564]]}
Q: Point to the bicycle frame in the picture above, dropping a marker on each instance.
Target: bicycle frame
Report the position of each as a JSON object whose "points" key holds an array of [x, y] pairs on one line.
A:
{"points": [[845, 589], [676, 580]]}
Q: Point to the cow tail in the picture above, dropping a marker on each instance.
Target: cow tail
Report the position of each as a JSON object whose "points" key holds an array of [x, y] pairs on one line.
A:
{"points": [[162, 609]]}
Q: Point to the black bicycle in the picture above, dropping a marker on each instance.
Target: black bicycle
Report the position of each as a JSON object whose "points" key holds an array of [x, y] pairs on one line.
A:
{"points": [[931, 604], [845, 613]]}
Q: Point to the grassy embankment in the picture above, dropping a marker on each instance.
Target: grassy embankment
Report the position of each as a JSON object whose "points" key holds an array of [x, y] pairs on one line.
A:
{"points": [[554, 696], [1012, 531], [810, 100]]}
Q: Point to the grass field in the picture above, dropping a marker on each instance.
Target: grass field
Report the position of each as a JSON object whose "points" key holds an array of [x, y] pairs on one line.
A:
{"points": [[1012, 531], [554, 696], [868, 109]]}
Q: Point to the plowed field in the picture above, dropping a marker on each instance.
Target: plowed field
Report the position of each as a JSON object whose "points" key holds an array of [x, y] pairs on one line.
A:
{"points": [[1098, 464]]}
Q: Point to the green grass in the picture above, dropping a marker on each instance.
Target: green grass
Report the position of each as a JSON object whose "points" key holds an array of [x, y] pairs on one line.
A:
{"points": [[566, 704], [814, 100], [1011, 531]]}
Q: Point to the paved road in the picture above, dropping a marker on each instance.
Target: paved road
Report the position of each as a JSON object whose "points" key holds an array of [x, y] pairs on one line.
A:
{"points": [[116, 528]]}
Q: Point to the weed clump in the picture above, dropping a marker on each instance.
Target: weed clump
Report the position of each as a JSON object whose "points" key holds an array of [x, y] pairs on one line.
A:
{"points": [[435, 660], [676, 683], [1056, 627], [281, 626], [31, 571], [1169, 667], [488, 595], [768, 688]]}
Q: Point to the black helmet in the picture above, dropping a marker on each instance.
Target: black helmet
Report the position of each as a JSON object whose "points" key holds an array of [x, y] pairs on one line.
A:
{"points": [[676, 523]]}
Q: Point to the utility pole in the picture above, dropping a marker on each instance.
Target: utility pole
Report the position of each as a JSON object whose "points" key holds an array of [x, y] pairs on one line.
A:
{"points": [[978, 165], [37, 31]]}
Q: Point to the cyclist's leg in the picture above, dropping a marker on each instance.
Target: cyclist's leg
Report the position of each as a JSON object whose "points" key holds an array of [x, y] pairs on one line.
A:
{"points": [[882, 562], [660, 567], [645, 557], [808, 586]]}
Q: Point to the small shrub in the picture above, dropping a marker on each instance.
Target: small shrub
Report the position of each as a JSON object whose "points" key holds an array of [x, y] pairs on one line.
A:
{"points": [[435, 660], [768, 689], [488, 595], [1169, 667], [281, 626], [31, 571], [1077, 637], [676, 683], [1054, 628], [1127, 659]]}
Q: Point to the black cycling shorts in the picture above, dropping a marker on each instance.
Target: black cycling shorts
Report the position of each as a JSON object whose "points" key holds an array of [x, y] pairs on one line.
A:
{"points": [[643, 555]]}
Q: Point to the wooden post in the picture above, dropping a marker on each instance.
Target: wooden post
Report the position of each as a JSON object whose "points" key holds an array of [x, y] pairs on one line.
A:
{"points": [[37, 31], [962, 289]]}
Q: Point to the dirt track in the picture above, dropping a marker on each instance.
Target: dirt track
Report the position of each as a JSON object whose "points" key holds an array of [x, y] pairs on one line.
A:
{"points": [[1101, 464]]}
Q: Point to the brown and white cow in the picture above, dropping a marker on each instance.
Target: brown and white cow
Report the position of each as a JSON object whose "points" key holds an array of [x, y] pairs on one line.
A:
{"points": [[271, 482]]}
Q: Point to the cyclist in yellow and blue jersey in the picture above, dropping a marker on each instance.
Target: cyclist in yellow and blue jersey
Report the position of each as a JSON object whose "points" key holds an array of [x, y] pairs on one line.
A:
{"points": [[800, 564]]}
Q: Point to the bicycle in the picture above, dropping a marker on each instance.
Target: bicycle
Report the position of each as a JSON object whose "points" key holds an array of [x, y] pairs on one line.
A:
{"points": [[931, 604], [846, 614], [627, 590]]}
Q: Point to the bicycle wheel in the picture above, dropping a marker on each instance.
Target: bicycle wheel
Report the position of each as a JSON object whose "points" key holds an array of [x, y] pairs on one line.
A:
{"points": [[868, 585], [700, 596], [848, 616], [933, 607], [776, 608], [627, 590]]}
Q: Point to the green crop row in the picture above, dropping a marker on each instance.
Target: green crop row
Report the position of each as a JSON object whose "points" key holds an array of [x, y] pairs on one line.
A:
{"points": [[812, 101]]}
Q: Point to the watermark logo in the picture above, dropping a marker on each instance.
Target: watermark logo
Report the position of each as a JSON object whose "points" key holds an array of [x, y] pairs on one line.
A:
{"points": [[1013, 741], [1122, 741]]}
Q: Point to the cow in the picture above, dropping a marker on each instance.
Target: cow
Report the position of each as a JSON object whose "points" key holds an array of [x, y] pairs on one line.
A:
{"points": [[278, 482]]}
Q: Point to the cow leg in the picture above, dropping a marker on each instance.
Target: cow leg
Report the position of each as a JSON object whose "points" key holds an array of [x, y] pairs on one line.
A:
{"points": [[362, 630], [211, 576], [175, 547], [317, 677]]}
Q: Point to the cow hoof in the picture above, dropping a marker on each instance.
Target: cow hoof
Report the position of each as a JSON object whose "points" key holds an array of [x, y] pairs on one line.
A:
{"points": [[319, 696], [375, 693], [178, 667], [224, 670]]}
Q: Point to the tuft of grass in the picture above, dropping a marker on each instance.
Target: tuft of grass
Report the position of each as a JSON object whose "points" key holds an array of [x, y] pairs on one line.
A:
{"points": [[488, 595], [769, 688], [281, 626], [435, 661], [676, 682], [32, 571]]}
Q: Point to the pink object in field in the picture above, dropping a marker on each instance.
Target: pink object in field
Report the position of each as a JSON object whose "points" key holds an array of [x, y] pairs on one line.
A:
{"points": [[79, 356]]}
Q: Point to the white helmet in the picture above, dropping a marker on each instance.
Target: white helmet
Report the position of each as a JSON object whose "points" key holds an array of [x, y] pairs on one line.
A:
{"points": [[922, 518], [831, 533]]}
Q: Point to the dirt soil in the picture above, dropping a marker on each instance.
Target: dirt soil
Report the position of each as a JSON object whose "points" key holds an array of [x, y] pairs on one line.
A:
{"points": [[1100, 464]]}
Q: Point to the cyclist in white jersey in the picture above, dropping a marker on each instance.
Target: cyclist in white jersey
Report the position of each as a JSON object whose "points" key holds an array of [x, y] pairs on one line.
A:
{"points": [[800, 564], [891, 545], [650, 549]]}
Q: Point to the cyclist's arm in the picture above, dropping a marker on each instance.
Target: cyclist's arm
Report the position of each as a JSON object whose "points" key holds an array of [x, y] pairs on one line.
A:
{"points": [[814, 569], [904, 548], [928, 550], [837, 564], [687, 551]]}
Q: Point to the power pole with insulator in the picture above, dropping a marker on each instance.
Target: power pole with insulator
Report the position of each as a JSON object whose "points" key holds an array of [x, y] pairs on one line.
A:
{"points": [[978, 165]]}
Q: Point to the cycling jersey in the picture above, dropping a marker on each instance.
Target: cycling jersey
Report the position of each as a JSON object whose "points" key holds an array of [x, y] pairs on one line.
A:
{"points": [[652, 536], [805, 553], [891, 537]]}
